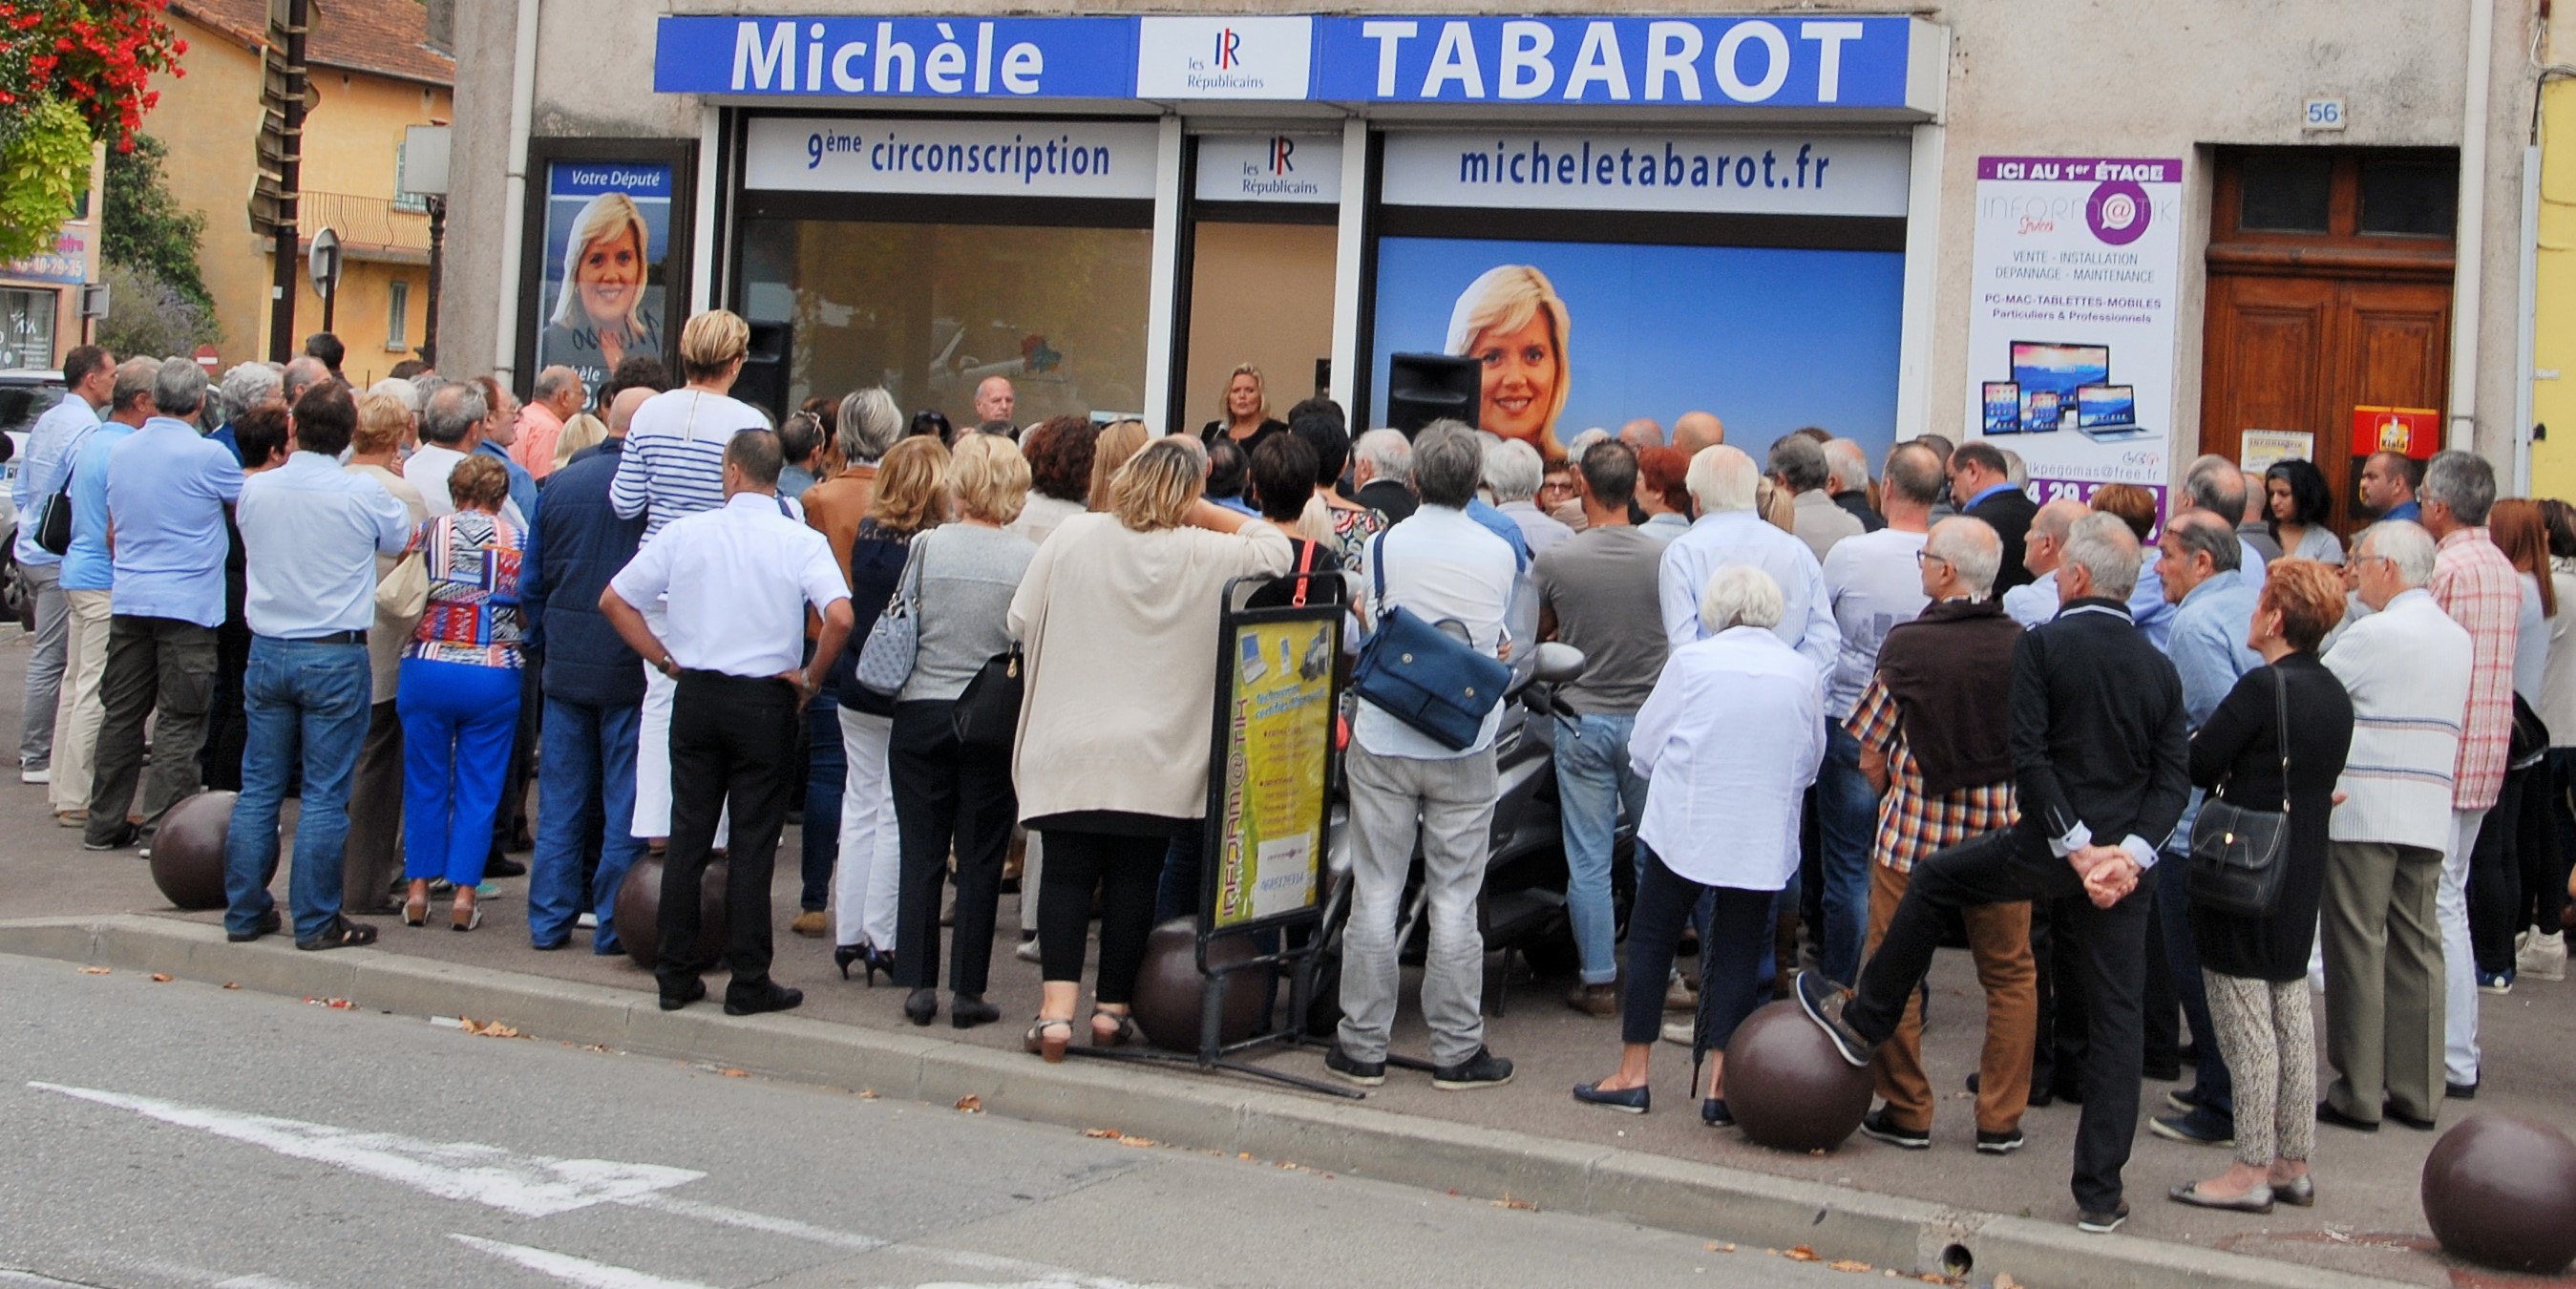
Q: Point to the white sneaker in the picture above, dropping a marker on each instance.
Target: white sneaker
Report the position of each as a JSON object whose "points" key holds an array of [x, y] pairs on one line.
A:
{"points": [[1680, 1031], [2543, 957], [45, 775], [586, 921], [1028, 950]]}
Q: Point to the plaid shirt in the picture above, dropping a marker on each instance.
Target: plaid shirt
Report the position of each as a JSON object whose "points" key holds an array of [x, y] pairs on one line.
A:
{"points": [[2476, 585], [1912, 823]]}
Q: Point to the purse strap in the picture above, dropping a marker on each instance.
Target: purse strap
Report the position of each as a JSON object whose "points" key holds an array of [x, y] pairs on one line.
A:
{"points": [[2281, 713], [1305, 563]]}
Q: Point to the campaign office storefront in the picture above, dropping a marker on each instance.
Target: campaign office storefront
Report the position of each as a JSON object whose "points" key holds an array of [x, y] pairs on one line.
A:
{"points": [[1618, 217]]}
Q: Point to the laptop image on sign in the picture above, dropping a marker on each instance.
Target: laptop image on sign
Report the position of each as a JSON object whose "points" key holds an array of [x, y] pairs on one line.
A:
{"points": [[2107, 412]]}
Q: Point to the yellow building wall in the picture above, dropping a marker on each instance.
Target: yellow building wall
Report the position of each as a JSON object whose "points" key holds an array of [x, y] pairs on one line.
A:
{"points": [[210, 121]]}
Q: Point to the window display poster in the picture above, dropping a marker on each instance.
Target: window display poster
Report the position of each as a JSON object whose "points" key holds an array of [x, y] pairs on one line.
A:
{"points": [[2072, 316], [1579, 334], [607, 245]]}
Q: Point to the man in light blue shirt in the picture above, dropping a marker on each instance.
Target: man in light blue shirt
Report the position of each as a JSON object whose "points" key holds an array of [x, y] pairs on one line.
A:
{"points": [[1723, 480], [86, 573], [89, 375], [2200, 558], [312, 532], [167, 486]]}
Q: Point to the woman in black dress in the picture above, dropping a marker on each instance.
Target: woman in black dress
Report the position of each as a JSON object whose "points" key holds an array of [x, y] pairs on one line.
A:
{"points": [[1245, 412], [2256, 968]]}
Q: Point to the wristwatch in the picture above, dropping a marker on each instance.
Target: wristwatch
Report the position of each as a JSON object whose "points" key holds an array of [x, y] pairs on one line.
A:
{"points": [[668, 666]]}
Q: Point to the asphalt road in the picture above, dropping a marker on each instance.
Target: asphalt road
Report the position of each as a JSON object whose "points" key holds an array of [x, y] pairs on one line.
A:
{"points": [[177, 1134]]}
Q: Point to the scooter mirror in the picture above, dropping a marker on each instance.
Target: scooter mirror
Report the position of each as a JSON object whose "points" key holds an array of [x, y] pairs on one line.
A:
{"points": [[1559, 662]]}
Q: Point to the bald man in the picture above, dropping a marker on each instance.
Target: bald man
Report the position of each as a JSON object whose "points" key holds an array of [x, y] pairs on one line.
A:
{"points": [[1695, 430], [1642, 433], [556, 396], [2036, 602], [996, 400]]}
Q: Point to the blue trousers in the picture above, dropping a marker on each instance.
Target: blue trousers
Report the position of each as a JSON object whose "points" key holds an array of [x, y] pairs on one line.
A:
{"points": [[458, 722], [1593, 784], [827, 766], [585, 797], [301, 699], [1846, 824]]}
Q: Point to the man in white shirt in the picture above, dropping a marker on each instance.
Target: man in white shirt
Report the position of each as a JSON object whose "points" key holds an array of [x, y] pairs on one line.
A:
{"points": [[1437, 566], [1873, 581], [2042, 551], [1729, 531], [89, 374], [450, 425], [2407, 666], [1513, 473], [738, 580]]}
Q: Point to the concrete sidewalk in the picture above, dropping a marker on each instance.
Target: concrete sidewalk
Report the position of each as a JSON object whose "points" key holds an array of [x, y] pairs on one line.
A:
{"points": [[1530, 1141]]}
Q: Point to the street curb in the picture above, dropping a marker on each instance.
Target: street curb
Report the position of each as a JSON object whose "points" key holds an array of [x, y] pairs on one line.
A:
{"points": [[1754, 1209]]}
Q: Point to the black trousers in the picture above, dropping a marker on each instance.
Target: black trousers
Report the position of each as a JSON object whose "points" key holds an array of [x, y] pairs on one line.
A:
{"points": [[1127, 872], [947, 796], [732, 741], [2495, 878], [1731, 979], [2109, 947]]}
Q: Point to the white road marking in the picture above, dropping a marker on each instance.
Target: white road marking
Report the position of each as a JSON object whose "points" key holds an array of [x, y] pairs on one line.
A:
{"points": [[572, 1270], [748, 1221], [528, 1185]]}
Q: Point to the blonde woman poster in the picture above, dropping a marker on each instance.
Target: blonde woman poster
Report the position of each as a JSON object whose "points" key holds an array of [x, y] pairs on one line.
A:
{"points": [[607, 228], [1511, 321]]}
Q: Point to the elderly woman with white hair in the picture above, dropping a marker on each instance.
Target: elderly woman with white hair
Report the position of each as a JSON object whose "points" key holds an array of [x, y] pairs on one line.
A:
{"points": [[1513, 472], [1728, 743], [250, 385]]}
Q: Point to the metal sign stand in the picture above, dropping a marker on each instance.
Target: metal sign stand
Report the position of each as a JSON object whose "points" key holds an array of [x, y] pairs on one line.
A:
{"points": [[1227, 778]]}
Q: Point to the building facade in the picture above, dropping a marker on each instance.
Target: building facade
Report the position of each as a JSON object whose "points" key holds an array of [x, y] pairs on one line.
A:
{"points": [[2110, 238], [372, 73], [40, 296]]}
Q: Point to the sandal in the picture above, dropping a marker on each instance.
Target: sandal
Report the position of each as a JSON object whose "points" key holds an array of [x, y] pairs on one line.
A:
{"points": [[1118, 1035], [340, 934], [416, 911], [1046, 1044], [465, 916]]}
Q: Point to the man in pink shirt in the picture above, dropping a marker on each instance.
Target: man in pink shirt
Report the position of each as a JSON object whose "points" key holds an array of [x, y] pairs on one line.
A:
{"points": [[557, 395], [2477, 586]]}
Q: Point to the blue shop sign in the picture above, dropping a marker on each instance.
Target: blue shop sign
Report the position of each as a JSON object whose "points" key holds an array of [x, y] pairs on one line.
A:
{"points": [[1809, 60]]}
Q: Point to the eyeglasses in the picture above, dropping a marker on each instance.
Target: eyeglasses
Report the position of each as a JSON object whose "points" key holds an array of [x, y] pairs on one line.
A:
{"points": [[1927, 557]]}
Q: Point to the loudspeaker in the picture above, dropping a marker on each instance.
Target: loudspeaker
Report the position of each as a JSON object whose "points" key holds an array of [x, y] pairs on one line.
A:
{"points": [[763, 382], [1422, 388]]}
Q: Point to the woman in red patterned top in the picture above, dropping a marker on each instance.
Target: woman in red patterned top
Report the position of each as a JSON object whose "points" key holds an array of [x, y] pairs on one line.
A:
{"points": [[459, 695]]}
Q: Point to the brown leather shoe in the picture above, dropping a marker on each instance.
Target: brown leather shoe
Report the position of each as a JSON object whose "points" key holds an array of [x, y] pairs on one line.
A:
{"points": [[812, 923], [1594, 1000]]}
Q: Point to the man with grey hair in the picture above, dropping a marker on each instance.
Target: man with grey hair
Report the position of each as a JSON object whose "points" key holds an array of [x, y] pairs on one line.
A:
{"points": [[2408, 667], [1512, 473], [1723, 481], [1382, 466], [451, 425], [88, 571], [1798, 464], [553, 400], [2100, 749], [89, 385], [2042, 551], [303, 372], [1849, 465], [250, 385], [1438, 566], [2213, 483], [1934, 736], [1873, 581], [167, 489], [2476, 585]]}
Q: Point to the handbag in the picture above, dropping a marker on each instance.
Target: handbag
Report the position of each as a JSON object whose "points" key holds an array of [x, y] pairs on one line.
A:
{"points": [[2529, 739], [986, 716], [54, 526], [2237, 854], [885, 662], [1421, 675], [403, 595]]}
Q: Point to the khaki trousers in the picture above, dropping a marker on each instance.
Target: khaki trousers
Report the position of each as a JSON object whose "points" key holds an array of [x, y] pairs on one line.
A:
{"points": [[1999, 941], [78, 710], [2384, 978]]}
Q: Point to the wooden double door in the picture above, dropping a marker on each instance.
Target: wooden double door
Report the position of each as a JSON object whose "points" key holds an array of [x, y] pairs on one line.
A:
{"points": [[2304, 325]]}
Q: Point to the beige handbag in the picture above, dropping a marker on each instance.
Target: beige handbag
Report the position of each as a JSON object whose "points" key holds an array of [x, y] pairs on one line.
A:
{"points": [[403, 595]]}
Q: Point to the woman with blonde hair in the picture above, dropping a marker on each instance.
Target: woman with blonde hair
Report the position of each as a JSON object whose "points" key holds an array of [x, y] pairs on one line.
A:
{"points": [[1115, 616], [1118, 441], [1243, 411], [950, 797], [599, 315], [1513, 323]]}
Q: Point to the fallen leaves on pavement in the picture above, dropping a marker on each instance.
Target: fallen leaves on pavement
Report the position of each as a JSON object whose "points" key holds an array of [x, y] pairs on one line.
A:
{"points": [[971, 1104], [484, 1028], [1802, 1253], [1508, 1202], [335, 1004], [1719, 1246], [94, 971], [232, 984], [1849, 1266], [160, 977]]}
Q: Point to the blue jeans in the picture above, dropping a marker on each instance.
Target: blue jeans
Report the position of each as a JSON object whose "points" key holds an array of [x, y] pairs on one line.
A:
{"points": [[827, 766], [1593, 782], [585, 796], [458, 722], [1846, 824], [2211, 1082], [298, 698]]}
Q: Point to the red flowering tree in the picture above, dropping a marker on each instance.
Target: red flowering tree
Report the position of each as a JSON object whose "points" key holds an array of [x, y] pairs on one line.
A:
{"points": [[72, 72]]}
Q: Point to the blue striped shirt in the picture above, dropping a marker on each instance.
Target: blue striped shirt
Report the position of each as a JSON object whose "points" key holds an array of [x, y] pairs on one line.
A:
{"points": [[673, 464]]}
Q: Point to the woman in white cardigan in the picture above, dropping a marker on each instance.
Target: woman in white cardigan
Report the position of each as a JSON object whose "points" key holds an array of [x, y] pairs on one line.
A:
{"points": [[1117, 617]]}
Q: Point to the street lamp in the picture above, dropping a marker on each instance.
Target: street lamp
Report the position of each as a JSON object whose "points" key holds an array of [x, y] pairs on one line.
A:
{"points": [[425, 175]]}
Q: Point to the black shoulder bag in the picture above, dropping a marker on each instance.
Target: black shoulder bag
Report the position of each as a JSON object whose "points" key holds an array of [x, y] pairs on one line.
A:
{"points": [[2237, 854]]}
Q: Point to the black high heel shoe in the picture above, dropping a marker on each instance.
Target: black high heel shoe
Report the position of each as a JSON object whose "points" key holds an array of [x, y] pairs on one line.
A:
{"points": [[921, 1005], [966, 1011], [870, 958]]}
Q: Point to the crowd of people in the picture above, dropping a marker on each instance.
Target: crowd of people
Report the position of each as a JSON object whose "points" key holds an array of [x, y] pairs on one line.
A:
{"points": [[1841, 715]]}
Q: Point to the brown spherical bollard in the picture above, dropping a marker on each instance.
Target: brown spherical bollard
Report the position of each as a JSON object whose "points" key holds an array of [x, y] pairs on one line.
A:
{"points": [[638, 912], [1787, 1086], [2501, 1191], [188, 850], [1170, 991]]}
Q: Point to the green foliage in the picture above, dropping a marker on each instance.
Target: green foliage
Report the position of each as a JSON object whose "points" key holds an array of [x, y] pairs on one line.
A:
{"points": [[43, 168], [143, 228], [146, 315]]}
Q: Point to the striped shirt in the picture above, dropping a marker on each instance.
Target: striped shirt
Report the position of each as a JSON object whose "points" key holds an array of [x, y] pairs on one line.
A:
{"points": [[472, 560], [2407, 668], [2477, 586], [674, 459]]}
